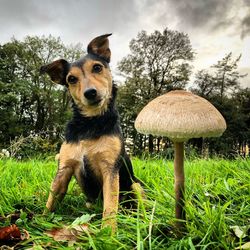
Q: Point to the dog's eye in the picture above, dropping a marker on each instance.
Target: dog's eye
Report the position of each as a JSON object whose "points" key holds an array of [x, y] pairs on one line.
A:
{"points": [[97, 68], [72, 79]]}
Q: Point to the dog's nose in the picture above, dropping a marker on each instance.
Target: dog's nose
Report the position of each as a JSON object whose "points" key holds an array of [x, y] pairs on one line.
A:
{"points": [[90, 94]]}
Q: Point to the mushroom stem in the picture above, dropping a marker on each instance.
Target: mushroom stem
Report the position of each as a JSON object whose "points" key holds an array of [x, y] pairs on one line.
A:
{"points": [[179, 183]]}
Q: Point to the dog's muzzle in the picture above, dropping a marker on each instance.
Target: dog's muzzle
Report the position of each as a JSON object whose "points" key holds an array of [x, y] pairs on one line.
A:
{"points": [[91, 96]]}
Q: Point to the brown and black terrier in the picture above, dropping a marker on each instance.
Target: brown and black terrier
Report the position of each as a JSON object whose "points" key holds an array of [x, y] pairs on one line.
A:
{"points": [[94, 148]]}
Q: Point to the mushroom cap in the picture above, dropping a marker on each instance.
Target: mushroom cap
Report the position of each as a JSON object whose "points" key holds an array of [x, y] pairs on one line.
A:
{"points": [[180, 115]]}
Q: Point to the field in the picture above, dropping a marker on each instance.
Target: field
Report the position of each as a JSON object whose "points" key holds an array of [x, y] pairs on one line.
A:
{"points": [[217, 207]]}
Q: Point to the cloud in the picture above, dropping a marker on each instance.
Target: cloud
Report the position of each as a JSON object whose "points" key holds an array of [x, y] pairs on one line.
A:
{"points": [[193, 14], [79, 20], [85, 18], [214, 27], [245, 26]]}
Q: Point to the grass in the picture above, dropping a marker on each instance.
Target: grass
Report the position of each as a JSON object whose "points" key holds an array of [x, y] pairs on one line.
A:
{"points": [[217, 197]]}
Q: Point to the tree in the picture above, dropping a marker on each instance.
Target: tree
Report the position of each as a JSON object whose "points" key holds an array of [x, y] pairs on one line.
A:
{"points": [[221, 86], [157, 63], [222, 79], [204, 83], [227, 77], [30, 103], [241, 101]]}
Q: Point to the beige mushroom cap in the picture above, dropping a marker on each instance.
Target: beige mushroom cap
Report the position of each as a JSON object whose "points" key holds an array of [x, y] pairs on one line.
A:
{"points": [[180, 115]]}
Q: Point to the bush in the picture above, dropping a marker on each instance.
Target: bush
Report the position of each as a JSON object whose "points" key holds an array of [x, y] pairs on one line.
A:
{"points": [[33, 146]]}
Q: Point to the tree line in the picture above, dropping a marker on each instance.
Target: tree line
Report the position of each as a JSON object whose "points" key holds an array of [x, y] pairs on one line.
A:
{"points": [[32, 107]]}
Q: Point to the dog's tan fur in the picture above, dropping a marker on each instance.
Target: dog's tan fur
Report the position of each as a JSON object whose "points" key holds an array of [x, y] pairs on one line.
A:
{"points": [[101, 81], [102, 154]]}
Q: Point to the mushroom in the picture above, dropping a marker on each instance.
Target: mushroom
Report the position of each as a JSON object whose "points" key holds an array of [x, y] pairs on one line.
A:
{"points": [[180, 116]]}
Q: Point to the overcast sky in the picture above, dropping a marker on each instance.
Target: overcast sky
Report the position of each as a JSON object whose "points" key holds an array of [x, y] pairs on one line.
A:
{"points": [[215, 27]]}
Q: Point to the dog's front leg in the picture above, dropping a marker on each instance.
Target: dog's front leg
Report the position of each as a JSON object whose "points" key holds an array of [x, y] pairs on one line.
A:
{"points": [[59, 186], [110, 199], [69, 160]]}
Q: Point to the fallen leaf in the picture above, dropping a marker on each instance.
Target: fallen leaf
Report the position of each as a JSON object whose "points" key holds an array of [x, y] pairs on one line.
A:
{"points": [[245, 246], [240, 232], [25, 235], [11, 236], [9, 233], [82, 220], [70, 234]]}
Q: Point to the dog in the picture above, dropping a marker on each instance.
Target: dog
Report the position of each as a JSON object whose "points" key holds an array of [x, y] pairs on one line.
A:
{"points": [[93, 150]]}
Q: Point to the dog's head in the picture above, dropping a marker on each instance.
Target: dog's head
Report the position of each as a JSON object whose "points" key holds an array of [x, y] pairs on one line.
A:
{"points": [[89, 79]]}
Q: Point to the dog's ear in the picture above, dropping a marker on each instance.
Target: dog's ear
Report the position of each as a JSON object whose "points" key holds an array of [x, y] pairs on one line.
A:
{"points": [[57, 71], [100, 46]]}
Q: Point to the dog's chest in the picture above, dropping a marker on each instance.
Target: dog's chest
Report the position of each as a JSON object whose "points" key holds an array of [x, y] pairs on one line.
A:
{"points": [[102, 153], [103, 147]]}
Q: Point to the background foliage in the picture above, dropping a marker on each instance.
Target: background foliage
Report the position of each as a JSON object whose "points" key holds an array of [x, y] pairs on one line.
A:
{"points": [[34, 111], [31, 104]]}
